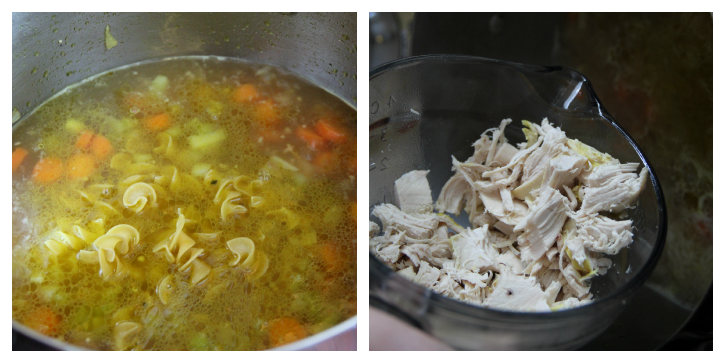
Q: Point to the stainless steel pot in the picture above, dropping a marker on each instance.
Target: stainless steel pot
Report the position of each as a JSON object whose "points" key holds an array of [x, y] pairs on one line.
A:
{"points": [[53, 51]]}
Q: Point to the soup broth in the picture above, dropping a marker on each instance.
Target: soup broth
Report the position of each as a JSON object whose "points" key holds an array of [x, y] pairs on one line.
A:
{"points": [[190, 203]]}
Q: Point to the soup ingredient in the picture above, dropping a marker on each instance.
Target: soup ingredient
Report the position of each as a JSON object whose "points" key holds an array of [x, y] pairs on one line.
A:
{"points": [[313, 140], [81, 166], [48, 170], [542, 219], [328, 131], [285, 330], [45, 321], [158, 123], [110, 40], [412, 193], [18, 156], [246, 93]]}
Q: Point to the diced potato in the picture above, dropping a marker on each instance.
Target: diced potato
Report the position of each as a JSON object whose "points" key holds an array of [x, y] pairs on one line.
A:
{"points": [[74, 126], [160, 83], [205, 141]]}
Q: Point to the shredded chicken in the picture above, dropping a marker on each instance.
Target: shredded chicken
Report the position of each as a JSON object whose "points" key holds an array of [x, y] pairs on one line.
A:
{"points": [[537, 236], [412, 193]]}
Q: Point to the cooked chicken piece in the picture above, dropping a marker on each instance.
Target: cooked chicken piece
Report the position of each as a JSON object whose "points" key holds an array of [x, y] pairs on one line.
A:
{"points": [[551, 276], [516, 293], [427, 275], [602, 234], [538, 267], [483, 218], [496, 140], [480, 149], [494, 205], [613, 194], [573, 244], [408, 272], [435, 254], [511, 261], [447, 286], [603, 265], [501, 179], [388, 254], [599, 175], [525, 190], [504, 154], [551, 292], [374, 229], [466, 276], [563, 169], [576, 286], [450, 223], [573, 202], [387, 246], [554, 144], [419, 226], [473, 250], [507, 229], [452, 195], [542, 225], [412, 192]]}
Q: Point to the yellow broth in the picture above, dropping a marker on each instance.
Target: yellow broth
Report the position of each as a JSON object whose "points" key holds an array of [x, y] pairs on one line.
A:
{"points": [[299, 212]]}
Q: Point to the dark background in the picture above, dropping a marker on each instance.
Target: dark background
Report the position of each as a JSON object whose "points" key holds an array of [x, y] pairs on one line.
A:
{"points": [[653, 73]]}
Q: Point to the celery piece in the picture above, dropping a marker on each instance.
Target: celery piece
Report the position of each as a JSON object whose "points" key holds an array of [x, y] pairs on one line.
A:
{"points": [[530, 133], [596, 157]]}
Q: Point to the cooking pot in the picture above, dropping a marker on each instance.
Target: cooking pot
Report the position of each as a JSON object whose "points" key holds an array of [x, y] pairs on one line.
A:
{"points": [[53, 51]]}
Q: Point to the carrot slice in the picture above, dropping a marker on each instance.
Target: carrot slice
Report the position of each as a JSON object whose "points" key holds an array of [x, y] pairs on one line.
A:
{"points": [[246, 93], [84, 140], [18, 156], [267, 112], [101, 147], [313, 140], [326, 129], [284, 331], [48, 170], [158, 123], [331, 256], [44, 320], [81, 165], [325, 161]]}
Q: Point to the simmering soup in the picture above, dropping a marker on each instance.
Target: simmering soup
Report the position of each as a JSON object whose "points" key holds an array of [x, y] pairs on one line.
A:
{"points": [[190, 203]]}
